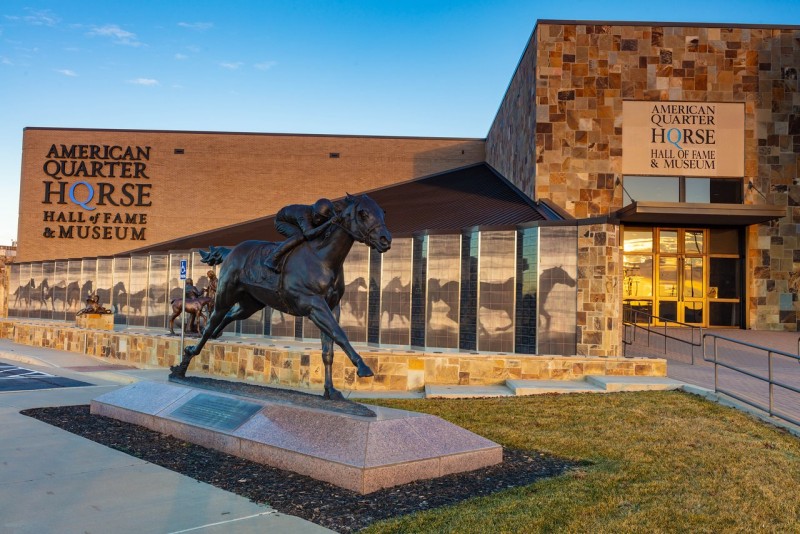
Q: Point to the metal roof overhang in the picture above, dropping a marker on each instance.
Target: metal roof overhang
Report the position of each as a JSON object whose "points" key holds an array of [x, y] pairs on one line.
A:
{"points": [[680, 213]]}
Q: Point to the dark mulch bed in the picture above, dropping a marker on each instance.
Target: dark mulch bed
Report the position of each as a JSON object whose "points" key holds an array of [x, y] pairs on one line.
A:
{"points": [[332, 507]]}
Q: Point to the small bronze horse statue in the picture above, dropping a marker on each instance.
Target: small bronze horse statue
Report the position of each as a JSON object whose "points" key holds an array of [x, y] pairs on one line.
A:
{"points": [[310, 285], [194, 307]]}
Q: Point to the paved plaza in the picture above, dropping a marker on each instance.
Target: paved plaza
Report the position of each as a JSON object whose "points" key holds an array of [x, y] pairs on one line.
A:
{"points": [[700, 371], [54, 481]]}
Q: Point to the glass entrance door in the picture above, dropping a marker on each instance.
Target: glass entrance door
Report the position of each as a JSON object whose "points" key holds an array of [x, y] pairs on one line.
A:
{"points": [[681, 294]]}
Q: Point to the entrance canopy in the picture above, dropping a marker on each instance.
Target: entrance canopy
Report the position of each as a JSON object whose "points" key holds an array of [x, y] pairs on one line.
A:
{"points": [[682, 213]]}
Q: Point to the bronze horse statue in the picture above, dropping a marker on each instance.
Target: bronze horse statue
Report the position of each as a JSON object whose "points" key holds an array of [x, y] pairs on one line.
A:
{"points": [[311, 282], [194, 307]]}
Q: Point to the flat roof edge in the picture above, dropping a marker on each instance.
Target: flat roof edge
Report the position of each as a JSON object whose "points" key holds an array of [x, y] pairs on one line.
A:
{"points": [[670, 24], [271, 134]]}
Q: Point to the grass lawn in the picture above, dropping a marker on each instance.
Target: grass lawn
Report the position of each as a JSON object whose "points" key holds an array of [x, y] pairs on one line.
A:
{"points": [[657, 461]]}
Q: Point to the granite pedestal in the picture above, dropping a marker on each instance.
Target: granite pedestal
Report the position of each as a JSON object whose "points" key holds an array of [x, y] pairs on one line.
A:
{"points": [[362, 454]]}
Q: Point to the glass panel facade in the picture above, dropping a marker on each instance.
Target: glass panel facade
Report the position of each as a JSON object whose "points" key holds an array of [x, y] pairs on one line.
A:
{"points": [[653, 188], [668, 241], [119, 293], [638, 276], [59, 302], [22, 298], [157, 291], [353, 306], [444, 281], [310, 330], [104, 278], [497, 270], [73, 289], [419, 279], [638, 240], [395, 316], [527, 285], [470, 291], [48, 272], [281, 324], [558, 292], [14, 289], [693, 242], [137, 298], [175, 284], [724, 314], [724, 278], [724, 241], [254, 325], [88, 280], [35, 295], [714, 190], [683, 189], [468, 312]]}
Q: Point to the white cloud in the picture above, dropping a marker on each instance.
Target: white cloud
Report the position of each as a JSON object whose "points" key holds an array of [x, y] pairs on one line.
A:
{"points": [[67, 72], [5, 61], [199, 26], [144, 81], [37, 18], [231, 65], [180, 57], [265, 65], [119, 35]]}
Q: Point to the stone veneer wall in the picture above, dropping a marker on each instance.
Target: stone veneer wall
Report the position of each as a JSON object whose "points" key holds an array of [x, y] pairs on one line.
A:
{"points": [[400, 371], [599, 297], [5, 275], [569, 89]]}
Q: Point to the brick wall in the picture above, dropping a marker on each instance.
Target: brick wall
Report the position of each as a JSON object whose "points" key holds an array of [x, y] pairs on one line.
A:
{"points": [[220, 179]]}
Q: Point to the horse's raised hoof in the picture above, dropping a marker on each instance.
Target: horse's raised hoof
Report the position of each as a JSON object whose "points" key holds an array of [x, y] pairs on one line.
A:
{"points": [[363, 370], [333, 394]]}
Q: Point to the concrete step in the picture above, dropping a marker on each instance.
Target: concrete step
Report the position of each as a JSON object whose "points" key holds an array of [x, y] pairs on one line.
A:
{"points": [[541, 387], [466, 392], [634, 383]]}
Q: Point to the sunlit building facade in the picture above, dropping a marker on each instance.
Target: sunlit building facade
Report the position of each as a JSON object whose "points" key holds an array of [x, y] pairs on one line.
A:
{"points": [[654, 167]]}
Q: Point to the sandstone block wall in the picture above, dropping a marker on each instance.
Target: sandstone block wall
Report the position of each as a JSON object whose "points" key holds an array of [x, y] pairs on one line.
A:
{"points": [[558, 134]]}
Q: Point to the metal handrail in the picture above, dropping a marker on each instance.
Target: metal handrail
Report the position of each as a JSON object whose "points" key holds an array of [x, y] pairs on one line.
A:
{"points": [[770, 379], [650, 319]]}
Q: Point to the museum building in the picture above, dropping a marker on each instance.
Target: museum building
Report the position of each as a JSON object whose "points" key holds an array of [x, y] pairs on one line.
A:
{"points": [[639, 166]]}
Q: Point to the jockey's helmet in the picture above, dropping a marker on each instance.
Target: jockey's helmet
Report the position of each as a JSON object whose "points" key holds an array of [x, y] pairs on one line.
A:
{"points": [[323, 209]]}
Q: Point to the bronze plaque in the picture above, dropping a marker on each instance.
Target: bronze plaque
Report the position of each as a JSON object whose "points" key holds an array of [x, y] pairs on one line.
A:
{"points": [[212, 411]]}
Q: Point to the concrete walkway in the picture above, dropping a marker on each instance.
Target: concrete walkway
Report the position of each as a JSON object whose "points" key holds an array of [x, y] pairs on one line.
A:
{"points": [[700, 372], [54, 481]]}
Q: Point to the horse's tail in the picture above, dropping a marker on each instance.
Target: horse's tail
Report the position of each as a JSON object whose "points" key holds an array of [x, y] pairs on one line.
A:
{"points": [[215, 255]]}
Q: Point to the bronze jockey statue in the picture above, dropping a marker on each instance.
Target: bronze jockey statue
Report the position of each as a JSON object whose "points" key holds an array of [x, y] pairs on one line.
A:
{"points": [[298, 223], [211, 289], [191, 291]]}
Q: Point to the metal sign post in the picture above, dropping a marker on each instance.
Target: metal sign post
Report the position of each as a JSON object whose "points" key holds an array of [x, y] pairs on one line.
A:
{"points": [[183, 309]]}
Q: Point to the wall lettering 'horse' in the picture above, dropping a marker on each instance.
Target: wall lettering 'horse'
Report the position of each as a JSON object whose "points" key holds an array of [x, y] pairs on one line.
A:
{"points": [[311, 283]]}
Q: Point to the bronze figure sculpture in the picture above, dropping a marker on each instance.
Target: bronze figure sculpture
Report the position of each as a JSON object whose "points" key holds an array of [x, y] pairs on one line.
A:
{"points": [[310, 285], [298, 223], [93, 305], [211, 289], [196, 302]]}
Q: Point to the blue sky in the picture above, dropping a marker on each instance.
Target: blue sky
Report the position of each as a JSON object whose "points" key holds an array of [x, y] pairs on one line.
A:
{"points": [[418, 68]]}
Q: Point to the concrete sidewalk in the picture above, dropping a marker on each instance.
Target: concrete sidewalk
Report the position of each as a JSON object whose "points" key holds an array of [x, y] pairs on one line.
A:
{"points": [[54, 481]]}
